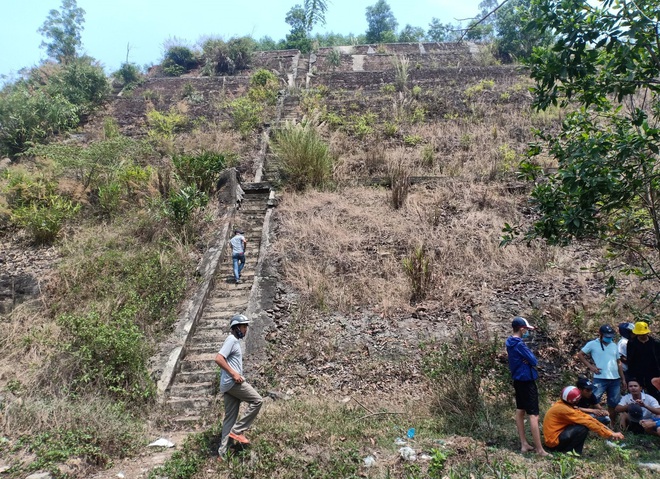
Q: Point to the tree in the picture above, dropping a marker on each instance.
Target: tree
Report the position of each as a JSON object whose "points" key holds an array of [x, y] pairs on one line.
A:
{"points": [[63, 29], [314, 13], [513, 39], [298, 36], [381, 21], [604, 67], [482, 27], [439, 32], [412, 34]]}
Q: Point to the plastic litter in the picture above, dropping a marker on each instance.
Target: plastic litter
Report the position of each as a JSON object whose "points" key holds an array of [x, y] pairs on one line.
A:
{"points": [[411, 433], [615, 445], [162, 442], [369, 461], [653, 466], [400, 442], [408, 453], [424, 457], [121, 475]]}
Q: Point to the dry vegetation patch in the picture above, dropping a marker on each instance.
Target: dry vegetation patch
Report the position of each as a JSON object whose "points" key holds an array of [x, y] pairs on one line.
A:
{"points": [[345, 248]]}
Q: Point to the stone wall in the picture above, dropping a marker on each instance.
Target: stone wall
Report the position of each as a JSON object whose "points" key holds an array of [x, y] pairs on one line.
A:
{"points": [[382, 57]]}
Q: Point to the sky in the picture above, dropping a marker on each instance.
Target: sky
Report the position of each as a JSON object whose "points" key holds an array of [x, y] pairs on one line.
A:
{"points": [[144, 25]]}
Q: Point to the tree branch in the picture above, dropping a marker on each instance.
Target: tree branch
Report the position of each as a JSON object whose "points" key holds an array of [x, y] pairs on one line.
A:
{"points": [[474, 25]]}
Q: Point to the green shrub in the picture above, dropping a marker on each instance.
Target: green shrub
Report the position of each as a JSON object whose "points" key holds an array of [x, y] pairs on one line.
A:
{"points": [[418, 115], [222, 57], [83, 83], [188, 92], [480, 87], [246, 115], [24, 189], [29, 116], [165, 125], [333, 119], [412, 140], [264, 87], [305, 158], [181, 205], [44, 220], [99, 162], [179, 60], [50, 99], [201, 170], [419, 270], [390, 129], [362, 125], [107, 353], [128, 75], [123, 188], [388, 89]]}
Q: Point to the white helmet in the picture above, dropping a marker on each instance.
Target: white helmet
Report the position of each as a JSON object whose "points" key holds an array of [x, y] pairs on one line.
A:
{"points": [[238, 319]]}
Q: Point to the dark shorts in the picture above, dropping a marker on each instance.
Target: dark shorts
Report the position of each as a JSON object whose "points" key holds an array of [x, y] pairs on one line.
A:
{"points": [[527, 397]]}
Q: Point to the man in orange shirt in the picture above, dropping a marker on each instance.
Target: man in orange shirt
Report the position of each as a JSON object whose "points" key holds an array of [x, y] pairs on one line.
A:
{"points": [[565, 428]]}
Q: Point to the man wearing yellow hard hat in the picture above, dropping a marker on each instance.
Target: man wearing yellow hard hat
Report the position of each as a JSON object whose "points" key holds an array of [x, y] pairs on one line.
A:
{"points": [[644, 358]]}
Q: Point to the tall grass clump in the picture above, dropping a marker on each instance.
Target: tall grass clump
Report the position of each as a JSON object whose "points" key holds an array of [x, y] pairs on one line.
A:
{"points": [[399, 176], [471, 384], [401, 72], [419, 270], [305, 158]]}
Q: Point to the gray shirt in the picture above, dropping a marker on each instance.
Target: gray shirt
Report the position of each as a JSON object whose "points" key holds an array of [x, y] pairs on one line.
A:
{"points": [[231, 351], [237, 244]]}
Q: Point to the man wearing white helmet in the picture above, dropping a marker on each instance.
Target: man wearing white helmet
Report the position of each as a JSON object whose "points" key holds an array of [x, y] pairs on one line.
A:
{"points": [[234, 387], [565, 428]]}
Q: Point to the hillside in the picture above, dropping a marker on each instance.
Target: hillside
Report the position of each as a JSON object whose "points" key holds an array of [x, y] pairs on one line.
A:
{"points": [[351, 348]]}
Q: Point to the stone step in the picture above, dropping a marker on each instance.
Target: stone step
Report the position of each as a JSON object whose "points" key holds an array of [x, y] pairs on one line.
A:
{"points": [[204, 348], [198, 362], [185, 421], [202, 375], [214, 324], [193, 390], [190, 405], [222, 305]]}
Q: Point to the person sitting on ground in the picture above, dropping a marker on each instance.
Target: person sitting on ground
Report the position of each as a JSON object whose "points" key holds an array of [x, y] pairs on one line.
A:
{"points": [[565, 428], [652, 426], [588, 402], [635, 406]]}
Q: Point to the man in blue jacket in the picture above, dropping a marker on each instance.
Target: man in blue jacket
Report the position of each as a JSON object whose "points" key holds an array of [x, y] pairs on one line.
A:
{"points": [[522, 364]]}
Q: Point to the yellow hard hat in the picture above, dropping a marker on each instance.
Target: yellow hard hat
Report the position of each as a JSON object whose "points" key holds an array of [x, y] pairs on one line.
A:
{"points": [[641, 328]]}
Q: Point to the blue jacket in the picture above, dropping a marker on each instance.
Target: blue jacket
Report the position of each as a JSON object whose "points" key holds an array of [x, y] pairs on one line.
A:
{"points": [[522, 362]]}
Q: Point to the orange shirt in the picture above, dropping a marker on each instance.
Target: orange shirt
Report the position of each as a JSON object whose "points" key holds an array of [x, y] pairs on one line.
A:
{"points": [[561, 415]]}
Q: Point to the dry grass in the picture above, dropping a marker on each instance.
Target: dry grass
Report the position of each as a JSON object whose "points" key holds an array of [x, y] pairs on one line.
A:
{"points": [[345, 248]]}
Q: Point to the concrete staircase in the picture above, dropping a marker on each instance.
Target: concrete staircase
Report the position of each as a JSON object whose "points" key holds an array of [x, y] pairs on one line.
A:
{"points": [[196, 383]]}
